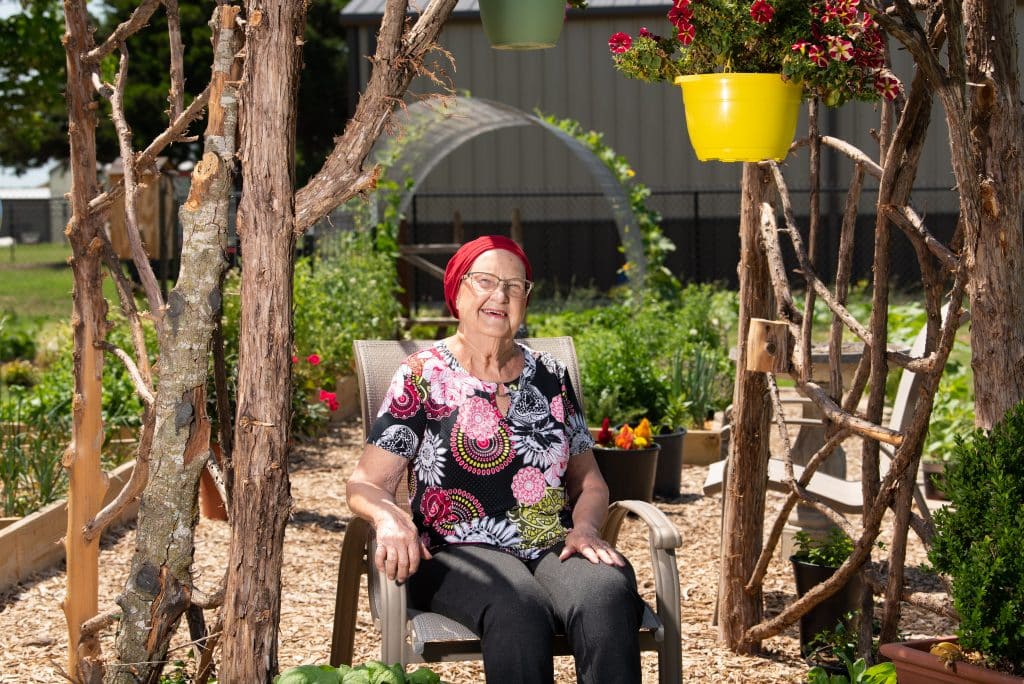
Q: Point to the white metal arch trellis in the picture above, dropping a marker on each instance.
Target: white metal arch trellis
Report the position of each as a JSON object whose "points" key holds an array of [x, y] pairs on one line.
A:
{"points": [[430, 130]]}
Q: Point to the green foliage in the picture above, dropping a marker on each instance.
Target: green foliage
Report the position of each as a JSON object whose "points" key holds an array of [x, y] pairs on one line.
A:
{"points": [[373, 672], [838, 649], [829, 552], [858, 672], [631, 353], [20, 373], [33, 120], [979, 539], [17, 340], [952, 412]]}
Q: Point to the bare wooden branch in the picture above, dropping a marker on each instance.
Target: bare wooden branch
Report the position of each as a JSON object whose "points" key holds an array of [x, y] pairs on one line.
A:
{"points": [[136, 21], [399, 57], [911, 224], [858, 425], [129, 310], [95, 625], [851, 151], [142, 388], [146, 158], [136, 483], [176, 96], [131, 224]]}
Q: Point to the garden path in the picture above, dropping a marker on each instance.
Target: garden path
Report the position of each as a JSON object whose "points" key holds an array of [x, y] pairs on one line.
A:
{"points": [[32, 630]]}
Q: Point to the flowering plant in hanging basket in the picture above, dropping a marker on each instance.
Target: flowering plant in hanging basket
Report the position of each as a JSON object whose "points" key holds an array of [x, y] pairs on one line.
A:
{"points": [[832, 48], [626, 437]]}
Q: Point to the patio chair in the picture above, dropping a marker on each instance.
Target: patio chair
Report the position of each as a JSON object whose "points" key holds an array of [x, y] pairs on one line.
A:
{"points": [[410, 636]]}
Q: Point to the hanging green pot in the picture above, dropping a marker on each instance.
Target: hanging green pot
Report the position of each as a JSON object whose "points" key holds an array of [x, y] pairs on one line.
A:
{"points": [[522, 24], [740, 117]]}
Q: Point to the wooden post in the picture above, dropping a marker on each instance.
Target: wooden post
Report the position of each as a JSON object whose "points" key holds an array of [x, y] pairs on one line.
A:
{"points": [[458, 232], [744, 495], [768, 346], [516, 230]]}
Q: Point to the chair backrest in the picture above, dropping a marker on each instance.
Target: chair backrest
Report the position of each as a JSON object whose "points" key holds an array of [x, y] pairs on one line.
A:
{"points": [[377, 361]]}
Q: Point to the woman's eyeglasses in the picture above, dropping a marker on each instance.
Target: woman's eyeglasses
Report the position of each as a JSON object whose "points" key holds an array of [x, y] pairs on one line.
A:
{"points": [[485, 283]]}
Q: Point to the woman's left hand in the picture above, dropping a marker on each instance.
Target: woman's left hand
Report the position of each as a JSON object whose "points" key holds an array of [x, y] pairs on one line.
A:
{"points": [[589, 544]]}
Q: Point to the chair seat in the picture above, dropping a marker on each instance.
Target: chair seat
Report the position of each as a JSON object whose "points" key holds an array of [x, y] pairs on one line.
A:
{"points": [[436, 637]]}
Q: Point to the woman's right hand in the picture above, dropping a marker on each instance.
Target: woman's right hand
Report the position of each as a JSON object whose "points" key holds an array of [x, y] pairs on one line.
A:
{"points": [[371, 496], [399, 548]]}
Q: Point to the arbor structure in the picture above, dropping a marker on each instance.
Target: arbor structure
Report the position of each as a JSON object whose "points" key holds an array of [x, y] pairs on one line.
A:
{"points": [[977, 84]]}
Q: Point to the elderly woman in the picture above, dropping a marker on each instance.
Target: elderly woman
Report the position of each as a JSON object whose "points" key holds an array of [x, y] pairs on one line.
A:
{"points": [[506, 498]]}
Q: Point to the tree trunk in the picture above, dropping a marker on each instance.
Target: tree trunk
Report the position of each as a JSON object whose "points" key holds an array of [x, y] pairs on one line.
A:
{"points": [[744, 495], [159, 587], [89, 325], [266, 226], [993, 240]]}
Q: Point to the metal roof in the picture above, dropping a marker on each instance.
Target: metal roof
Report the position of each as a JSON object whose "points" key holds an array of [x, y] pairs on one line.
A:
{"points": [[364, 10]]}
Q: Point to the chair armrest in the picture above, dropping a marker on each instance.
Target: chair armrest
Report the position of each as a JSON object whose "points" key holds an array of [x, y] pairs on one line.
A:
{"points": [[664, 539], [661, 532], [391, 608]]}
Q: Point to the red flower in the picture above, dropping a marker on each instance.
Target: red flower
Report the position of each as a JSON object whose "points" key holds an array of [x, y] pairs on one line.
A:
{"points": [[839, 48], [887, 84], [620, 42], [604, 435], [644, 33], [313, 360], [817, 55], [329, 398], [686, 34], [680, 16], [295, 359], [761, 11]]}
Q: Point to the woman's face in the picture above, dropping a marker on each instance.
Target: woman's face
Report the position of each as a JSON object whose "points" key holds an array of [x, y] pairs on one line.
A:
{"points": [[497, 313]]}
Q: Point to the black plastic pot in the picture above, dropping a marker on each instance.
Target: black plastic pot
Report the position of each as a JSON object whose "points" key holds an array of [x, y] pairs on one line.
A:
{"points": [[827, 614], [670, 464]]}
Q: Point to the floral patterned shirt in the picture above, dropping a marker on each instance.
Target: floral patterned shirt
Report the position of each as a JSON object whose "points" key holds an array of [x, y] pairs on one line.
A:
{"points": [[475, 476]]}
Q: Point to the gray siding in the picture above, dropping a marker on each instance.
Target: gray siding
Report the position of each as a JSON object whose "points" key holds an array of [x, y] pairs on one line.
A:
{"points": [[641, 121]]}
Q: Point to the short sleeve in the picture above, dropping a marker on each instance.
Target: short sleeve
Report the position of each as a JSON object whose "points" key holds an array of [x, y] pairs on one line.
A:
{"points": [[575, 422], [401, 419]]}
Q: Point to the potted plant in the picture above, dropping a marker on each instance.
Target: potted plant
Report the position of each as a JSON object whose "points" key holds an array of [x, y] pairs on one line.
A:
{"points": [[701, 384], [744, 67], [628, 459], [815, 561], [525, 24], [979, 545]]}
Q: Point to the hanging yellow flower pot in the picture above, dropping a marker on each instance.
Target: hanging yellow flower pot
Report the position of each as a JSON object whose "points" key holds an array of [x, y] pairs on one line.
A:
{"points": [[740, 117]]}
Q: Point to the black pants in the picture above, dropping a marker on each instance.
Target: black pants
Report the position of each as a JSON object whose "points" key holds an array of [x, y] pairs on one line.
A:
{"points": [[517, 606]]}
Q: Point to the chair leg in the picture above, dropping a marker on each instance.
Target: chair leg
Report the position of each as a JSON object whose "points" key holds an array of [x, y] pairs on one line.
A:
{"points": [[351, 566]]}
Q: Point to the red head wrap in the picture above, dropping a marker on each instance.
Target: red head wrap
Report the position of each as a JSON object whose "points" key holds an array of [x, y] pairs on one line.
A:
{"points": [[463, 259]]}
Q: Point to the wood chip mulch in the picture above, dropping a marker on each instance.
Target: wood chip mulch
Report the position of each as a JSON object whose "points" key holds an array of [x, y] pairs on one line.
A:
{"points": [[33, 633]]}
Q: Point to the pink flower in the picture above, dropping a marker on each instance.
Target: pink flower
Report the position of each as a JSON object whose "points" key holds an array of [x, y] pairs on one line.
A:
{"points": [[761, 11], [295, 359], [528, 486], [436, 506], [839, 49], [887, 85], [558, 409], [477, 419], [686, 34], [313, 360], [620, 42], [329, 398]]}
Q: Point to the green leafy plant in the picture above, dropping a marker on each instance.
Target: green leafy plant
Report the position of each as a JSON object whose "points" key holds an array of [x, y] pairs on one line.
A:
{"points": [[979, 540], [857, 672], [830, 552], [831, 47], [952, 413], [373, 672]]}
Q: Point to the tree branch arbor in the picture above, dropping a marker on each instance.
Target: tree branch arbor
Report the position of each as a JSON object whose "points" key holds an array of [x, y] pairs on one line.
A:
{"points": [[980, 93], [174, 444]]}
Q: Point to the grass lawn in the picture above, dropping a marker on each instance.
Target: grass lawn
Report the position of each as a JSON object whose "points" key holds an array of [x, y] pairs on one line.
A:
{"points": [[35, 282]]}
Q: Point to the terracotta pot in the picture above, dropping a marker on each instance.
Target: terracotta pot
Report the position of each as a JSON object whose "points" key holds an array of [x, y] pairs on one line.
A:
{"points": [[628, 472], [670, 463], [915, 665]]}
